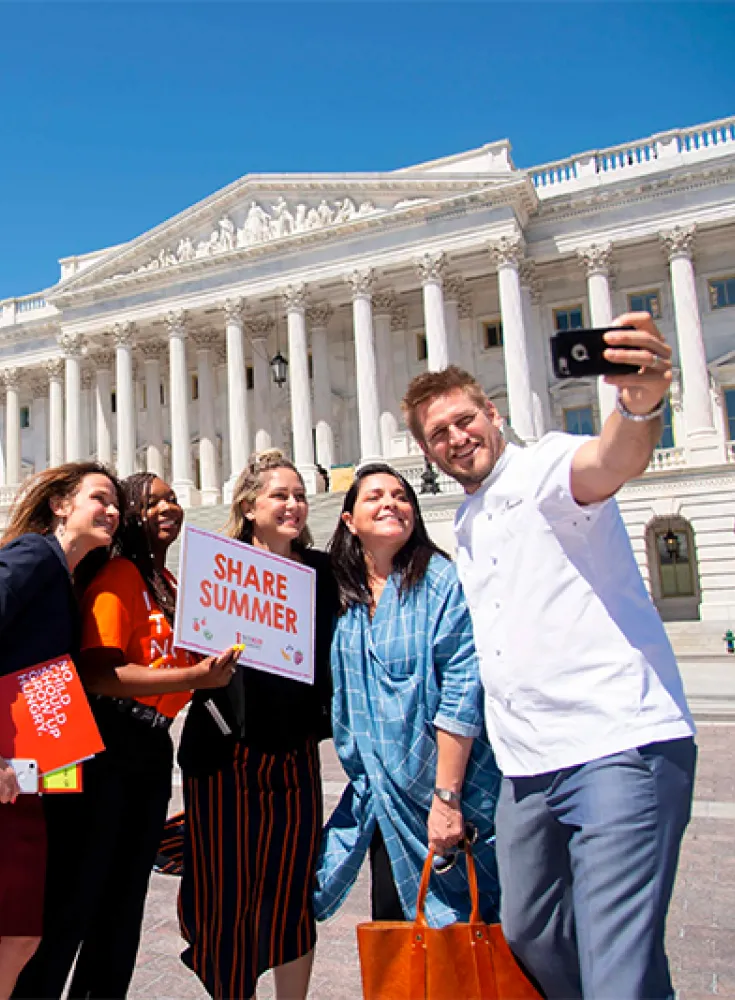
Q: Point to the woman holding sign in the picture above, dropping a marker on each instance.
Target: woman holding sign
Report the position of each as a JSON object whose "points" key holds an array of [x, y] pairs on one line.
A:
{"points": [[59, 517], [407, 715], [252, 779], [138, 682]]}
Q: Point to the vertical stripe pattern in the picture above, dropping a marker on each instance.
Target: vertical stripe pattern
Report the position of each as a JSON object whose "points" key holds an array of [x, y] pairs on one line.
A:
{"points": [[250, 847]]}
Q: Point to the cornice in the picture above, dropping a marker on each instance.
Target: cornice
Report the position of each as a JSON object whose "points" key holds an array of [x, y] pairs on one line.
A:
{"points": [[588, 201]]}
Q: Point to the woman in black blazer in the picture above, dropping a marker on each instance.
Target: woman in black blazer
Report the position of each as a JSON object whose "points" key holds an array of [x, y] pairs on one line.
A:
{"points": [[60, 516]]}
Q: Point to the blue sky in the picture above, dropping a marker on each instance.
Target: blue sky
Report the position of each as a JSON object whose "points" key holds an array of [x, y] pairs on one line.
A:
{"points": [[114, 116]]}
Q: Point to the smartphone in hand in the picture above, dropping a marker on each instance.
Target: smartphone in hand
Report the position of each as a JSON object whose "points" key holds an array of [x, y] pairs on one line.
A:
{"points": [[580, 354], [26, 771]]}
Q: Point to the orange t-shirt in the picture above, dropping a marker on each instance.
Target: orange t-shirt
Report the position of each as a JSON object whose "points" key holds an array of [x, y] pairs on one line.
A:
{"points": [[119, 612]]}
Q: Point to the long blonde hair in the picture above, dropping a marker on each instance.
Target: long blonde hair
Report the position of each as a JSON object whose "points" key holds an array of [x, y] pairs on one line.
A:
{"points": [[250, 483]]}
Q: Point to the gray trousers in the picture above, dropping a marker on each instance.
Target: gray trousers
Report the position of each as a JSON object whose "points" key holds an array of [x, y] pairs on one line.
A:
{"points": [[587, 859]]}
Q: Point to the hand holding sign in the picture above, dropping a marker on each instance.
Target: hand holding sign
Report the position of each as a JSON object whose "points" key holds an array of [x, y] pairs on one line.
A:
{"points": [[216, 671]]}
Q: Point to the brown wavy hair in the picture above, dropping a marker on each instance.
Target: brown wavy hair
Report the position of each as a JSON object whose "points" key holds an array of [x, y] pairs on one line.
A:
{"points": [[31, 511]]}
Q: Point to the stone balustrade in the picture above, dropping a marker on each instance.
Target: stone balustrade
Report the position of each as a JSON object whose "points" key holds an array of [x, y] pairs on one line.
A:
{"points": [[673, 148], [667, 458]]}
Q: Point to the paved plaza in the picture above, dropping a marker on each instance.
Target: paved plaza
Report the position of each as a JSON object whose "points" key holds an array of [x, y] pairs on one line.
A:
{"points": [[701, 922]]}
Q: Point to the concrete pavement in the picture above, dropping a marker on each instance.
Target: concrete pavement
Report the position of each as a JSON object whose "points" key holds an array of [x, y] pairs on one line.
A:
{"points": [[701, 935]]}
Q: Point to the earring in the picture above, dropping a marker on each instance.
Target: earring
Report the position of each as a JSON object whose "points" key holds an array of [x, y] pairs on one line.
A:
{"points": [[61, 529]]}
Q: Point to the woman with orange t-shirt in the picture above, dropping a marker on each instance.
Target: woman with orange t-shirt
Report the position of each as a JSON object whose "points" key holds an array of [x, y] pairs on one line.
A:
{"points": [[138, 682]]}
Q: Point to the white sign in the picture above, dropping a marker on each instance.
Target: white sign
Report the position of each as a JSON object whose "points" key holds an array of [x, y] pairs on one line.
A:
{"points": [[232, 593]]}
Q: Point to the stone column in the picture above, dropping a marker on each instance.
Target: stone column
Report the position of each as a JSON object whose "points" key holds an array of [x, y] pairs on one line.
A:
{"points": [[55, 371], [205, 342], [294, 301], [237, 400], [259, 329], [13, 469], [366, 376], [384, 302], [597, 262], [318, 317], [702, 443], [153, 353], [467, 331], [122, 335], [507, 254], [430, 269], [455, 292], [181, 476], [3, 479], [530, 297], [72, 347], [39, 420]]}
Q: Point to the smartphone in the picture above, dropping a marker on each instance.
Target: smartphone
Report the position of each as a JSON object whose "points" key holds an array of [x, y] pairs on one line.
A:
{"points": [[579, 353], [26, 771]]}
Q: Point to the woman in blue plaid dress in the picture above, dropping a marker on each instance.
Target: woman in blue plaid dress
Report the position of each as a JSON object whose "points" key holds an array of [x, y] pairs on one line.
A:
{"points": [[407, 715]]}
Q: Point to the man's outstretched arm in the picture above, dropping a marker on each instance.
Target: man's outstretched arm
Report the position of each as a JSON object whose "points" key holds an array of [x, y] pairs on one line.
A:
{"points": [[625, 445]]}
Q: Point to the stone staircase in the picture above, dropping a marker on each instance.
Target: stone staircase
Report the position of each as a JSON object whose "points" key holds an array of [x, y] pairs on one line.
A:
{"points": [[692, 640], [324, 509]]}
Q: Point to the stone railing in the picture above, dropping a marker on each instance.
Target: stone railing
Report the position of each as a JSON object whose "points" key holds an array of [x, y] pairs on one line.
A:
{"points": [[667, 458], [412, 467], [7, 495], [656, 152]]}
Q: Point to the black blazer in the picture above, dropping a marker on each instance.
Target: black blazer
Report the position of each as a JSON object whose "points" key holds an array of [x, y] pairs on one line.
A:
{"points": [[39, 615], [265, 711]]}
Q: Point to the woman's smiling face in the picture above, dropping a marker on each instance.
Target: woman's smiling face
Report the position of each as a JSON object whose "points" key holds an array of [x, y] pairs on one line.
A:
{"points": [[280, 509], [383, 513]]}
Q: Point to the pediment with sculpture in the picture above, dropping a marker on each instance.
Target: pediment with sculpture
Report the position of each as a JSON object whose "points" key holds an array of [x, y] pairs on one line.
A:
{"points": [[252, 218]]}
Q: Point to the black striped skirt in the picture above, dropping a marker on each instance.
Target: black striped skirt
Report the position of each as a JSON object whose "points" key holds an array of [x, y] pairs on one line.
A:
{"points": [[251, 840]]}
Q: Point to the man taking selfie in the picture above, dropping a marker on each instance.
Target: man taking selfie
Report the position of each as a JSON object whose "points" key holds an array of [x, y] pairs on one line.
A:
{"points": [[584, 703]]}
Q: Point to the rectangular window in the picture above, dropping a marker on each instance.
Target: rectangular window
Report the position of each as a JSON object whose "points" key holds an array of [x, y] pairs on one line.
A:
{"points": [[722, 292], [310, 364], [648, 302], [144, 396], [422, 349], [113, 402], [249, 377], [492, 334], [579, 420], [25, 417], [730, 413], [163, 393], [569, 318], [667, 434], [195, 387]]}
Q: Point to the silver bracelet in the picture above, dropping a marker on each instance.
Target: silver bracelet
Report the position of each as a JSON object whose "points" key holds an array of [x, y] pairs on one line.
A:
{"points": [[639, 418]]}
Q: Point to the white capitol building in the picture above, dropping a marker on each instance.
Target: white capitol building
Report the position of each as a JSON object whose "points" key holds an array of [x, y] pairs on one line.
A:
{"points": [[156, 354]]}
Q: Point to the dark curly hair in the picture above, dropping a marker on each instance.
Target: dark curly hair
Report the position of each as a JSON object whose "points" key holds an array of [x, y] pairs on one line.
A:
{"points": [[348, 558], [134, 543]]}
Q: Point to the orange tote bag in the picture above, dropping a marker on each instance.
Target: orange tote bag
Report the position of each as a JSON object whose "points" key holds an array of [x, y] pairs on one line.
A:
{"points": [[412, 961]]}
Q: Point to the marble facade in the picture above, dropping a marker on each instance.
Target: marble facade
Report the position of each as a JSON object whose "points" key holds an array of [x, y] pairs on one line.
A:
{"points": [[155, 354]]}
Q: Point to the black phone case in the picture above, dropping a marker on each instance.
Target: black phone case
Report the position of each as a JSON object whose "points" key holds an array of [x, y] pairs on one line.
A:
{"points": [[579, 354]]}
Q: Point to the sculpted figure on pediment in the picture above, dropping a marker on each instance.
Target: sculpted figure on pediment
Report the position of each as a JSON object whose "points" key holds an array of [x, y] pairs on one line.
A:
{"points": [[166, 258], [312, 218], [185, 249], [407, 202], [256, 227], [367, 208], [226, 234], [299, 222], [282, 222], [346, 210], [325, 213]]}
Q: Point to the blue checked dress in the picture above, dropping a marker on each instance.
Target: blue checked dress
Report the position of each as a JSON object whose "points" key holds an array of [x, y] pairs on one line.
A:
{"points": [[398, 677]]}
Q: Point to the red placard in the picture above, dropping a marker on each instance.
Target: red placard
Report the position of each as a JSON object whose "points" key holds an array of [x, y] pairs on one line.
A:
{"points": [[45, 715]]}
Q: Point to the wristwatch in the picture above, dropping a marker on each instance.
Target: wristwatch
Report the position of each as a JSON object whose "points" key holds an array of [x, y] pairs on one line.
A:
{"points": [[447, 795]]}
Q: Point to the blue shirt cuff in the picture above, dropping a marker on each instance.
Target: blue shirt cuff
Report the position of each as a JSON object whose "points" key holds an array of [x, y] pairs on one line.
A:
{"points": [[456, 727]]}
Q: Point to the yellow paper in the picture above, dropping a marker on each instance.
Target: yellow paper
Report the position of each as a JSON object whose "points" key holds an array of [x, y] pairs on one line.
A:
{"points": [[66, 779]]}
